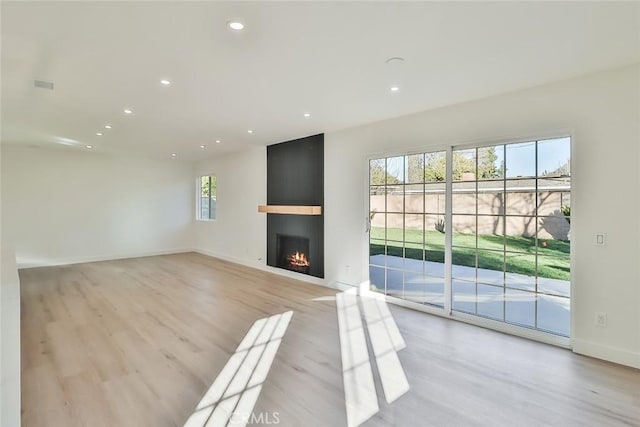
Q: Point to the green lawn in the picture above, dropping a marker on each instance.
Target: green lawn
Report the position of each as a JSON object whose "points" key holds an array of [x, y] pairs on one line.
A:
{"points": [[553, 259]]}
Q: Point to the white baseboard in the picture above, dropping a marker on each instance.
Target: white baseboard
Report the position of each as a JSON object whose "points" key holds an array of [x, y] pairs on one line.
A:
{"points": [[608, 353], [22, 264], [262, 266]]}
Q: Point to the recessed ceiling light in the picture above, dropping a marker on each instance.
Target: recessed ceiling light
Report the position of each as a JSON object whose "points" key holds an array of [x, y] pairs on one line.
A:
{"points": [[98, 133], [203, 146], [165, 82], [394, 88], [307, 115], [107, 126], [128, 111], [250, 131], [217, 141], [89, 147], [235, 25], [173, 154]]}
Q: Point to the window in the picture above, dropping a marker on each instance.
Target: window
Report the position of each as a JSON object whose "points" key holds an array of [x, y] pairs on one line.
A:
{"points": [[508, 228], [207, 189]]}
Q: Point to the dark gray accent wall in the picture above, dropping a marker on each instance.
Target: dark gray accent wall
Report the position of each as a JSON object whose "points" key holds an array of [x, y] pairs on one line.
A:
{"points": [[295, 176]]}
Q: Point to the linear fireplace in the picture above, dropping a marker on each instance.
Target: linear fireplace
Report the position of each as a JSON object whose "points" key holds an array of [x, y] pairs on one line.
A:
{"points": [[293, 253]]}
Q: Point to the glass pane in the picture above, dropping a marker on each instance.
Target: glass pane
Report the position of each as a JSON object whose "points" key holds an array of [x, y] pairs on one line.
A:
{"points": [[434, 290], [414, 257], [521, 230], [521, 197], [414, 168], [435, 262], [395, 198], [212, 207], [394, 283], [554, 275], [435, 199], [414, 287], [464, 165], [435, 245], [490, 301], [377, 172], [463, 296], [378, 227], [377, 252], [520, 281], [395, 255], [414, 198], [434, 226], [490, 232], [553, 227], [464, 198], [464, 264], [435, 167], [395, 170], [553, 201], [520, 308], [204, 207], [414, 228], [464, 230], [554, 314], [491, 162], [204, 186], [554, 157], [521, 160], [520, 269], [395, 227], [377, 198], [491, 198], [376, 279], [214, 186], [490, 267]]}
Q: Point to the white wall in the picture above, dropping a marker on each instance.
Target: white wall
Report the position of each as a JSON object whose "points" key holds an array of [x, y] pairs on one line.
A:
{"points": [[10, 338], [62, 206], [601, 112], [239, 232]]}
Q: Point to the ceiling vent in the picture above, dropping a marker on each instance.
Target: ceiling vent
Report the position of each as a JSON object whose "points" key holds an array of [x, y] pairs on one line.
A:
{"points": [[43, 85]]}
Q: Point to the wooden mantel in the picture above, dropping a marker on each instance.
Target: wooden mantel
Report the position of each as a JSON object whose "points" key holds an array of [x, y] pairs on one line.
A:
{"points": [[290, 209]]}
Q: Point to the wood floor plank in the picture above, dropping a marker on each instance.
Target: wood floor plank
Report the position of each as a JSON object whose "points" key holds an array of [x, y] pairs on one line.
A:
{"points": [[137, 342]]}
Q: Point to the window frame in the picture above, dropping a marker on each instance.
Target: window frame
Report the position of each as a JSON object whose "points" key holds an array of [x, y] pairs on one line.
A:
{"points": [[199, 197]]}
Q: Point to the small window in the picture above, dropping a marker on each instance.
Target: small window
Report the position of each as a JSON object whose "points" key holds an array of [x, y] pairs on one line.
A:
{"points": [[207, 187]]}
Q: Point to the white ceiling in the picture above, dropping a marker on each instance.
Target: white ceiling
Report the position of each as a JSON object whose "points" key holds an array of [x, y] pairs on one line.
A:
{"points": [[324, 58]]}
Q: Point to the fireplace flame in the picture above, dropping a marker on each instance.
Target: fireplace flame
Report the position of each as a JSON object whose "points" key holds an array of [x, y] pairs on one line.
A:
{"points": [[298, 259]]}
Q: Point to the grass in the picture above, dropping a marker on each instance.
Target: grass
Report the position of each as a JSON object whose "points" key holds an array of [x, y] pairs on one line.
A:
{"points": [[553, 259]]}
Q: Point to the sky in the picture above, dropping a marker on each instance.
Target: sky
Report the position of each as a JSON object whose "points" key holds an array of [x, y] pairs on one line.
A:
{"points": [[520, 157]]}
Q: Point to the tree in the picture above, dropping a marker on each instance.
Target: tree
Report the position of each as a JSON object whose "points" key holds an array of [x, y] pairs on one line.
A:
{"points": [[563, 169], [487, 169], [205, 189], [378, 173], [415, 168], [436, 167]]}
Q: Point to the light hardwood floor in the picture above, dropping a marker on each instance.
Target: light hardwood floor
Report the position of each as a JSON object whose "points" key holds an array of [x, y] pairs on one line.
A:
{"points": [[137, 342]]}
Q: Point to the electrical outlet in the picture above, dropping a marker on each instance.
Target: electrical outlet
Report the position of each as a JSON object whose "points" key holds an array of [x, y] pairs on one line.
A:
{"points": [[600, 239], [601, 319], [347, 269]]}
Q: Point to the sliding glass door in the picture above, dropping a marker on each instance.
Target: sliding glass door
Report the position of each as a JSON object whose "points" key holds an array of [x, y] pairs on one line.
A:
{"points": [[508, 226]]}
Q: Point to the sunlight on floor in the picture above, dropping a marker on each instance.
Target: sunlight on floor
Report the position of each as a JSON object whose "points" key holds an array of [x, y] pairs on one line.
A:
{"points": [[234, 393]]}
